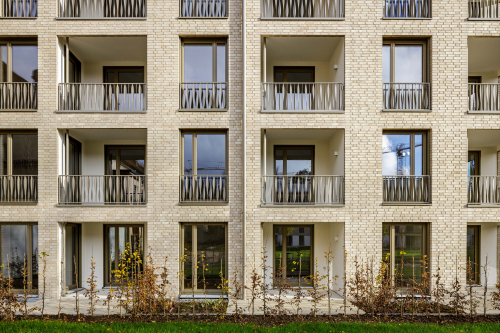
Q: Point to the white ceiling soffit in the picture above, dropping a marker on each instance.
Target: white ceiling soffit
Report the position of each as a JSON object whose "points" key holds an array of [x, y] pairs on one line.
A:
{"points": [[310, 49], [101, 134], [100, 49], [300, 134], [483, 138], [484, 54]]}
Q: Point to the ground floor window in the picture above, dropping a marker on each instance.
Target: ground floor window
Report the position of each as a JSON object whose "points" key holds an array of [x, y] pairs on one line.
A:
{"points": [[203, 243], [405, 246], [19, 247], [291, 243], [72, 254], [473, 254], [121, 242]]}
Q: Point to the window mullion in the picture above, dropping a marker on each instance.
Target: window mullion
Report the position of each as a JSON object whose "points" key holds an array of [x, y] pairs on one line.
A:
{"points": [[9, 154], [9, 62], [412, 154], [214, 62]]}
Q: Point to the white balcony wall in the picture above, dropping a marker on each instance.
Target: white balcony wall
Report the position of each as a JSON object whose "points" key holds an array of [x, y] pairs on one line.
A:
{"points": [[327, 237], [488, 248], [322, 53], [488, 160], [487, 77]]}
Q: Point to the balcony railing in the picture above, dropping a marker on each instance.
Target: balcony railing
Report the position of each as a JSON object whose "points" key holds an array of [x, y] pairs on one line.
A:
{"points": [[203, 188], [102, 9], [303, 9], [203, 8], [303, 190], [19, 8], [484, 9], [407, 189], [303, 96], [102, 190], [407, 8], [483, 190], [407, 96], [18, 96], [18, 189], [98, 97], [484, 97], [203, 96]]}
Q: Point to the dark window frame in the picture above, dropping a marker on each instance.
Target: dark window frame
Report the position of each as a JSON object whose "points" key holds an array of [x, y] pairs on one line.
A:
{"points": [[302, 69], [295, 147], [392, 43], [425, 148]]}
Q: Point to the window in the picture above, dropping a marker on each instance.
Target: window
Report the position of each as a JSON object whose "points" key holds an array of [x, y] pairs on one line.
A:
{"points": [[73, 245], [291, 243], [294, 74], [473, 164], [19, 153], [75, 69], [294, 160], [19, 247], [473, 249], [117, 239], [406, 247], [124, 74], [19, 61], [130, 159], [404, 61], [209, 241], [404, 153], [204, 153], [204, 74]]}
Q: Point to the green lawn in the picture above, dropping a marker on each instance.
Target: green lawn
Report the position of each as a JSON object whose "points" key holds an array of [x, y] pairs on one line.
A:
{"points": [[51, 326]]}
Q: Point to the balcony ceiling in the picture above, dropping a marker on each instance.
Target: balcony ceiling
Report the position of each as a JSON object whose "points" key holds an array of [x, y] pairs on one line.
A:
{"points": [[484, 54], [101, 134], [310, 49], [100, 49], [483, 138], [300, 134]]}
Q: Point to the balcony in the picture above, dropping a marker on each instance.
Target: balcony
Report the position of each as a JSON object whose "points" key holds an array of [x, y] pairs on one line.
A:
{"points": [[303, 75], [102, 167], [307, 168], [203, 189], [407, 189], [18, 189], [203, 96], [203, 9], [18, 96], [407, 9], [484, 9], [303, 10], [18, 9], [407, 96], [483, 187], [484, 71], [102, 9], [90, 86]]}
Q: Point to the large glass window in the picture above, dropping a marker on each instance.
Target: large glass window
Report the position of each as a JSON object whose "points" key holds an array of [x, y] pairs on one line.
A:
{"points": [[118, 239], [406, 247], [19, 62], [203, 244], [19, 247], [204, 153], [404, 62], [293, 250], [473, 233], [18, 153], [404, 153], [130, 159], [294, 160], [204, 61]]}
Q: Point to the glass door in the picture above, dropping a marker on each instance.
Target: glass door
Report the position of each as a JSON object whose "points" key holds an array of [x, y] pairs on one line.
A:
{"points": [[296, 92], [119, 95], [72, 238]]}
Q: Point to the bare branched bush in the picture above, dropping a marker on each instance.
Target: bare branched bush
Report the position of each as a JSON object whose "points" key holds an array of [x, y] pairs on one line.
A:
{"points": [[9, 303], [315, 292], [458, 299], [43, 257], [91, 291], [255, 286], [439, 290], [237, 289], [472, 298], [299, 292]]}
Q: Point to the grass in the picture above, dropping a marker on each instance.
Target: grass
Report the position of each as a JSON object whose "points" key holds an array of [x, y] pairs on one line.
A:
{"points": [[51, 326]]}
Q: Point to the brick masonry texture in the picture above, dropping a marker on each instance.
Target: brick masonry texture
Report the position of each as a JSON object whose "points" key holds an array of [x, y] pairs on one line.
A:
{"points": [[363, 122]]}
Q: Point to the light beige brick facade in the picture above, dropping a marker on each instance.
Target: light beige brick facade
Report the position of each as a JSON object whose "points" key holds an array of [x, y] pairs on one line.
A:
{"points": [[363, 123]]}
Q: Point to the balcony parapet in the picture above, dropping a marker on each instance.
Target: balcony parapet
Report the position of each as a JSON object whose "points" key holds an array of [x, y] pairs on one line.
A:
{"points": [[16, 189], [407, 97], [407, 9], [18, 96], [18, 9], [484, 98], [203, 9], [203, 96], [203, 189], [484, 9], [303, 10], [102, 9], [483, 191], [407, 189]]}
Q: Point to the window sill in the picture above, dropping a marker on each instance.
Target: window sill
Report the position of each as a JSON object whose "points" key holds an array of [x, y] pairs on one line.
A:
{"points": [[18, 110], [406, 203], [99, 111], [208, 203], [203, 18], [483, 112], [407, 110], [302, 206], [18, 203], [407, 18], [483, 205], [303, 111], [18, 18], [302, 18], [203, 110], [101, 205], [101, 18], [483, 19]]}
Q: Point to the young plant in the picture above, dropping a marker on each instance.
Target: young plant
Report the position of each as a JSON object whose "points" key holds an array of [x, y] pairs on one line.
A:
{"points": [[165, 284], [282, 286], [439, 291], [255, 286], [473, 300], [299, 293], [204, 267], [225, 290], [316, 287], [237, 289], [91, 291], [328, 257], [43, 256], [62, 288], [485, 268], [458, 300], [265, 285], [9, 303], [77, 299]]}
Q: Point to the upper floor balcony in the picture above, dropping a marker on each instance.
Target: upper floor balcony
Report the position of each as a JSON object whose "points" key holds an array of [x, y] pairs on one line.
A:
{"points": [[483, 188], [303, 10], [18, 9], [407, 9], [102, 167], [18, 75], [303, 74], [103, 74], [406, 75], [102, 9], [18, 167], [203, 9], [484, 75], [484, 9], [302, 167]]}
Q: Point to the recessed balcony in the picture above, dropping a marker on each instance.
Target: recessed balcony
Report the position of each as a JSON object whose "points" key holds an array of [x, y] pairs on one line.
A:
{"points": [[302, 167], [17, 9], [484, 9], [484, 73], [102, 167], [483, 188], [303, 10], [103, 74], [102, 9], [303, 74]]}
